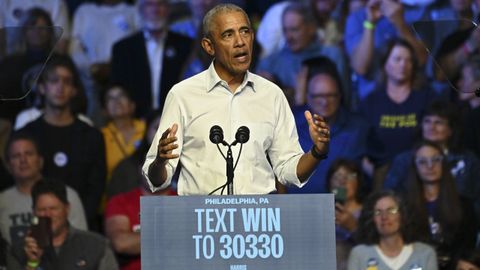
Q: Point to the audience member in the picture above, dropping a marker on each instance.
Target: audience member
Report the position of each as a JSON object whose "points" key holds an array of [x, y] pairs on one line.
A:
{"points": [[368, 30], [441, 214], [73, 151], [395, 108], [345, 181], [122, 224], [25, 163], [343, 11], [37, 38], [128, 173], [302, 43], [150, 62], [469, 260], [190, 26], [70, 247], [96, 27], [123, 133], [349, 131], [442, 125], [387, 237], [269, 32], [272, 39], [328, 30], [469, 82], [11, 12]]}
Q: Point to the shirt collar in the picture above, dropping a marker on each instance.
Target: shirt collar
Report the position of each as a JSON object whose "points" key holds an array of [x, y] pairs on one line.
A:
{"points": [[214, 80], [149, 37]]}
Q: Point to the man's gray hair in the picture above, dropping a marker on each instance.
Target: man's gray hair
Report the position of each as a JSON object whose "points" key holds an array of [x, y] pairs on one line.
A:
{"points": [[301, 9], [218, 9]]}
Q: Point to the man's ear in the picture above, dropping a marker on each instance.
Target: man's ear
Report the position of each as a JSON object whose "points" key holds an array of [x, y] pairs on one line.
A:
{"points": [[208, 47]]}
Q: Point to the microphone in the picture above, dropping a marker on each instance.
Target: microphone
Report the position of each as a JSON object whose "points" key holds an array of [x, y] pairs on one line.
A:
{"points": [[242, 135], [216, 134]]}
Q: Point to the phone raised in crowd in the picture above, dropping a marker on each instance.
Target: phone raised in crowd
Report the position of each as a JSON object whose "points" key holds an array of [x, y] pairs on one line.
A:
{"points": [[340, 194], [41, 231]]}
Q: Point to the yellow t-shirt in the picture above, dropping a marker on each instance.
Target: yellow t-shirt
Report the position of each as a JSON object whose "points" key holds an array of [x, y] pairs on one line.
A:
{"points": [[116, 148]]}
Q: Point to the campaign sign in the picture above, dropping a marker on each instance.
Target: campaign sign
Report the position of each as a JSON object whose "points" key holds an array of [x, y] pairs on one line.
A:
{"points": [[281, 232]]}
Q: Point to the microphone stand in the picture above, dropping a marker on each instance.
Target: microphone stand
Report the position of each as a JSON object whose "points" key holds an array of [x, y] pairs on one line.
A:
{"points": [[216, 137], [229, 160]]}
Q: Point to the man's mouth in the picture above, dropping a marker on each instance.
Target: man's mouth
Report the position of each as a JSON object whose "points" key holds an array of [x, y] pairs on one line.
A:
{"points": [[242, 56]]}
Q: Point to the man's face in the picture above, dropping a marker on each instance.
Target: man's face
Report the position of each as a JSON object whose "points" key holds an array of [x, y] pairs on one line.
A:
{"points": [[230, 42], [154, 13], [48, 205], [323, 96], [24, 161], [298, 34], [58, 88]]}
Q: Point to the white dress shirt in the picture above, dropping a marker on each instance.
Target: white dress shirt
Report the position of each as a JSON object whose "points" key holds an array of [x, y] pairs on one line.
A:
{"points": [[204, 100], [155, 59]]}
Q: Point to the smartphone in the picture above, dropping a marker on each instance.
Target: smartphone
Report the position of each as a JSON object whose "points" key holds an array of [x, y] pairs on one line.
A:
{"points": [[340, 194], [41, 231]]}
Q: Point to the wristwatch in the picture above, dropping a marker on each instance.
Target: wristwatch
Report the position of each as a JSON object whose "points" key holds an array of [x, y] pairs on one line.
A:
{"points": [[317, 155]]}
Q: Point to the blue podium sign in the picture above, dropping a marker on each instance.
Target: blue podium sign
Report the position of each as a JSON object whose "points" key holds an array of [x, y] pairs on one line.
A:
{"points": [[281, 232]]}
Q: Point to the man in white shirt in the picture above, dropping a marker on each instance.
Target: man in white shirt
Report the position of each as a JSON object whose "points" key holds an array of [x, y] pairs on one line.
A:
{"points": [[149, 62], [228, 95]]}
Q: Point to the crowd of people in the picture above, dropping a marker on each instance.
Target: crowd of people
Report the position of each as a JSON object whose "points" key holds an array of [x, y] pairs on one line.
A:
{"points": [[389, 85]]}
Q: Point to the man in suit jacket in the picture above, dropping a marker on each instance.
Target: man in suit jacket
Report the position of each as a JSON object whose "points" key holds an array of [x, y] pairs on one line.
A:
{"points": [[150, 62]]}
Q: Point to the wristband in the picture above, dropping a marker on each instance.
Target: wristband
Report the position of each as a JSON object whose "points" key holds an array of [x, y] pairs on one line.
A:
{"points": [[317, 155], [368, 25], [33, 264]]}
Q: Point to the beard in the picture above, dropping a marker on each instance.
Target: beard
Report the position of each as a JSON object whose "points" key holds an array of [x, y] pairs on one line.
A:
{"points": [[155, 25]]}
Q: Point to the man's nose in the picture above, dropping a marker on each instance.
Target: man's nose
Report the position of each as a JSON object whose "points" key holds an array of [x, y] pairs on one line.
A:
{"points": [[239, 40]]}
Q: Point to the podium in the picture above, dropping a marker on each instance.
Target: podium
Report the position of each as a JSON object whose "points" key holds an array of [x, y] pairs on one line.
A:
{"points": [[280, 232]]}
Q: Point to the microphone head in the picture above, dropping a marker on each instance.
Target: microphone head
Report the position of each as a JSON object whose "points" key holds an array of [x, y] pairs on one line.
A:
{"points": [[242, 135], [216, 134]]}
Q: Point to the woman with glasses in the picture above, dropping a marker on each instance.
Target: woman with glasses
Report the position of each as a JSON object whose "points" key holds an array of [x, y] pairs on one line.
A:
{"points": [[345, 181], [446, 219], [441, 124], [387, 237]]}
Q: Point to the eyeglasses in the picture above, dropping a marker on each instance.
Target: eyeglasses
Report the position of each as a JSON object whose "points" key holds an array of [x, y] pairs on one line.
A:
{"points": [[328, 97], [428, 162], [339, 177], [389, 211]]}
